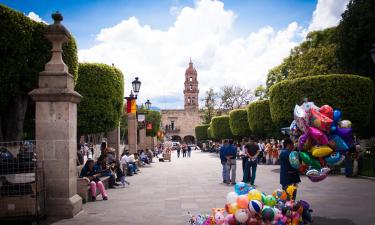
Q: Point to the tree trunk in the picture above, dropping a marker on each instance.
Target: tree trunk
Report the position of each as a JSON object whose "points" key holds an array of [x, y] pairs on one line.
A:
{"points": [[15, 119]]}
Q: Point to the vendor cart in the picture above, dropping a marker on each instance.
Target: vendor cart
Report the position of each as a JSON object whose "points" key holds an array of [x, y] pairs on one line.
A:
{"points": [[167, 155]]}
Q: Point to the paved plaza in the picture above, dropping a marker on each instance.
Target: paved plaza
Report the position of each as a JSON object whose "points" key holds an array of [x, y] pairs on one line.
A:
{"points": [[165, 192]]}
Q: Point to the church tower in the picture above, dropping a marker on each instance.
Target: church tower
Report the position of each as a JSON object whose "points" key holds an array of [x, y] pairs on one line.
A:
{"points": [[191, 90]]}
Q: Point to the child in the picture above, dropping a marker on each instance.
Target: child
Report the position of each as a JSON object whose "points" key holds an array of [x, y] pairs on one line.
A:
{"points": [[92, 172]]}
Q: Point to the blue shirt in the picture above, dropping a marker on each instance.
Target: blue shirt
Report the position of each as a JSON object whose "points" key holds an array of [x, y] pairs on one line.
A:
{"points": [[231, 151], [288, 174], [223, 152]]}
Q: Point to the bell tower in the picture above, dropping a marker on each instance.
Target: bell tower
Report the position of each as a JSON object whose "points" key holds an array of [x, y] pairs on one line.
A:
{"points": [[191, 90]]}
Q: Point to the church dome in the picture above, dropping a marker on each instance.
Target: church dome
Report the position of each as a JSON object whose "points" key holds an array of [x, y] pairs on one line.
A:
{"points": [[191, 69]]}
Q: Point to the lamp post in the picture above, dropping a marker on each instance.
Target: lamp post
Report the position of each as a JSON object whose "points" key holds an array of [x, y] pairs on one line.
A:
{"points": [[372, 51], [148, 104], [131, 109]]}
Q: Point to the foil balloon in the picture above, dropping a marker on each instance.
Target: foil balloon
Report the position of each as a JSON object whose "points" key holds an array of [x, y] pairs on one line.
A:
{"points": [[307, 106], [318, 136], [340, 161], [293, 128], [317, 178], [321, 151], [305, 157], [304, 142], [345, 124], [294, 159], [327, 111], [315, 164], [340, 144], [345, 134], [301, 118], [320, 121], [333, 158], [336, 116], [313, 173], [325, 170]]}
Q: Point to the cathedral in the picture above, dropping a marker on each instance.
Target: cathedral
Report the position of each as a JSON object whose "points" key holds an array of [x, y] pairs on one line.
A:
{"points": [[179, 124]]}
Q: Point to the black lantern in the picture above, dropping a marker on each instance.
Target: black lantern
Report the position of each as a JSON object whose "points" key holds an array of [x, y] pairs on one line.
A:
{"points": [[373, 53], [136, 86], [148, 104]]}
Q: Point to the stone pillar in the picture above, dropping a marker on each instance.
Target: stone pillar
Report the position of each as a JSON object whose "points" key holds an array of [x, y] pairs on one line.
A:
{"points": [[132, 133], [113, 141], [148, 142], [56, 128], [142, 139]]}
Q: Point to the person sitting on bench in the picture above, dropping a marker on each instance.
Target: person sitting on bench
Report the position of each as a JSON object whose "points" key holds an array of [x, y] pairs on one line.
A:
{"points": [[92, 172]]}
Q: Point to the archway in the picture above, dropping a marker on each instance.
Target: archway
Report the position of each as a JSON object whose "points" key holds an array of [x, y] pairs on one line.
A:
{"points": [[189, 139], [176, 138]]}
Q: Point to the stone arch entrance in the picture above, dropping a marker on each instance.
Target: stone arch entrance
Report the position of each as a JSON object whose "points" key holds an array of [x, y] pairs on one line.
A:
{"points": [[189, 139], [176, 138]]}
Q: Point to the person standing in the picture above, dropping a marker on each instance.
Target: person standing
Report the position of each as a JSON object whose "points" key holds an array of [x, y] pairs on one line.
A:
{"points": [[261, 147], [223, 160], [268, 152], [252, 150], [231, 155], [184, 150], [178, 150], [245, 158], [288, 174], [189, 151]]}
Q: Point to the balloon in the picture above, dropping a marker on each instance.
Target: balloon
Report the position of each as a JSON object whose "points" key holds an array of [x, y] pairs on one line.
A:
{"points": [[333, 129], [313, 173], [345, 134], [241, 188], [254, 195], [242, 215], [242, 202], [345, 124], [315, 164], [301, 118], [293, 128], [318, 136], [307, 106], [333, 158], [317, 178], [290, 190], [336, 115], [219, 218], [320, 121], [325, 170], [321, 151], [327, 111], [255, 206], [339, 143], [230, 220], [280, 194], [303, 168], [263, 197], [270, 200], [305, 157], [231, 197], [268, 214], [294, 159], [304, 142], [252, 221], [340, 161]]}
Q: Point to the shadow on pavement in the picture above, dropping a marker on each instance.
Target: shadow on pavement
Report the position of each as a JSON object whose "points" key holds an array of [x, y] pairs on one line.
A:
{"points": [[327, 221]]}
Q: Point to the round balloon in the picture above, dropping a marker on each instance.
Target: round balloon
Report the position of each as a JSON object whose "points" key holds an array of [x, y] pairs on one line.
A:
{"points": [[294, 159], [254, 195], [345, 124], [242, 215], [255, 206], [270, 200], [242, 202], [336, 115], [231, 197], [280, 194], [241, 188], [268, 214], [321, 151], [230, 220]]}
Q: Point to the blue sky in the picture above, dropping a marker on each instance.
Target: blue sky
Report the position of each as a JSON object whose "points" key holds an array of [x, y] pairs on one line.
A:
{"points": [[230, 42], [85, 18]]}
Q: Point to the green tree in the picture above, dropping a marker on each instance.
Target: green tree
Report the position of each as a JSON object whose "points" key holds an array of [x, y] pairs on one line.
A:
{"points": [[238, 122], [220, 127], [210, 102], [260, 92], [259, 119], [234, 97], [153, 117], [102, 88], [24, 51], [201, 132], [355, 38]]}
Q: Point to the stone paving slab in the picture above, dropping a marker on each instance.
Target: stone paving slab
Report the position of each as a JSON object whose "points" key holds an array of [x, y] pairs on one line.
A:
{"points": [[165, 192]]}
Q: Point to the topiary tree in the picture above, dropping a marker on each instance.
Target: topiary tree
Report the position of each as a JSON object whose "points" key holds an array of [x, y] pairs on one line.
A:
{"points": [[259, 119], [209, 133], [25, 52], [220, 127], [102, 88], [352, 94], [238, 122], [153, 117], [201, 132]]}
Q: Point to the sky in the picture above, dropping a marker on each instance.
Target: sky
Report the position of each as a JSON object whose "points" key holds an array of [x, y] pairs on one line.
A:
{"points": [[230, 42]]}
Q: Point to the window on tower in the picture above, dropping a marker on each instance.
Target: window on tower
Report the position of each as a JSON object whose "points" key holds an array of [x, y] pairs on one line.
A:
{"points": [[191, 87], [189, 100], [191, 79]]}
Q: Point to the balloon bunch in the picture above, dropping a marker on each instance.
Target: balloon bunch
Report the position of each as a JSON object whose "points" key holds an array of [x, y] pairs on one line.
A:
{"points": [[249, 206], [323, 139]]}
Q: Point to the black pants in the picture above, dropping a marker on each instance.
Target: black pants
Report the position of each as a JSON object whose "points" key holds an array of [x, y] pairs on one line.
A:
{"points": [[178, 153], [184, 154]]}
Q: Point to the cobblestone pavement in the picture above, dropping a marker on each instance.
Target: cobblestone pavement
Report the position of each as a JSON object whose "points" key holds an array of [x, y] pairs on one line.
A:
{"points": [[165, 192]]}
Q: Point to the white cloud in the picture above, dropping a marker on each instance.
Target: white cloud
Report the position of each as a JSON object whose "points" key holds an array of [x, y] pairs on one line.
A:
{"points": [[327, 14], [35, 17], [203, 32]]}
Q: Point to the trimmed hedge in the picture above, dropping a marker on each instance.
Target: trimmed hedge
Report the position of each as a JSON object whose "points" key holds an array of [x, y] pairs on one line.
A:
{"points": [[209, 133], [220, 127], [102, 88], [201, 132], [259, 117], [153, 117], [24, 52], [238, 122], [352, 94]]}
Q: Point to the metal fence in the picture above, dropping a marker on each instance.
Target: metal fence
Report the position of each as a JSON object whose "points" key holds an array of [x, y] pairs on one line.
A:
{"points": [[367, 162], [21, 181]]}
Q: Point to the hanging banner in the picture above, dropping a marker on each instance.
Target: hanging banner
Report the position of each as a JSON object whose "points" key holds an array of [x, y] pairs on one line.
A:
{"points": [[131, 106], [149, 126]]}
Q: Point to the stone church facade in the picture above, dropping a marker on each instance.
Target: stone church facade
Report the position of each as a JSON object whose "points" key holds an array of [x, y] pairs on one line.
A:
{"points": [[179, 124]]}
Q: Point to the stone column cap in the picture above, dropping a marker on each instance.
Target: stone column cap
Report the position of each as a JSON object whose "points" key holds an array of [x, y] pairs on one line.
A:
{"points": [[55, 95]]}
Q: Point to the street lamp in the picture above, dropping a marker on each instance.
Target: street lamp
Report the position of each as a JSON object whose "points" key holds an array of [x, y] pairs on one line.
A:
{"points": [[136, 86], [148, 104], [372, 51]]}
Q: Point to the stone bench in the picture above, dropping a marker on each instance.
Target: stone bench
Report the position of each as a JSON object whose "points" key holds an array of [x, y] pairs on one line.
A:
{"points": [[83, 185]]}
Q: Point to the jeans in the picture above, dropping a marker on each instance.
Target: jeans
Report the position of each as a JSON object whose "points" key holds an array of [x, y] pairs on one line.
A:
{"points": [[100, 186], [189, 154], [245, 170], [231, 170], [224, 173], [252, 170], [184, 154], [178, 153]]}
